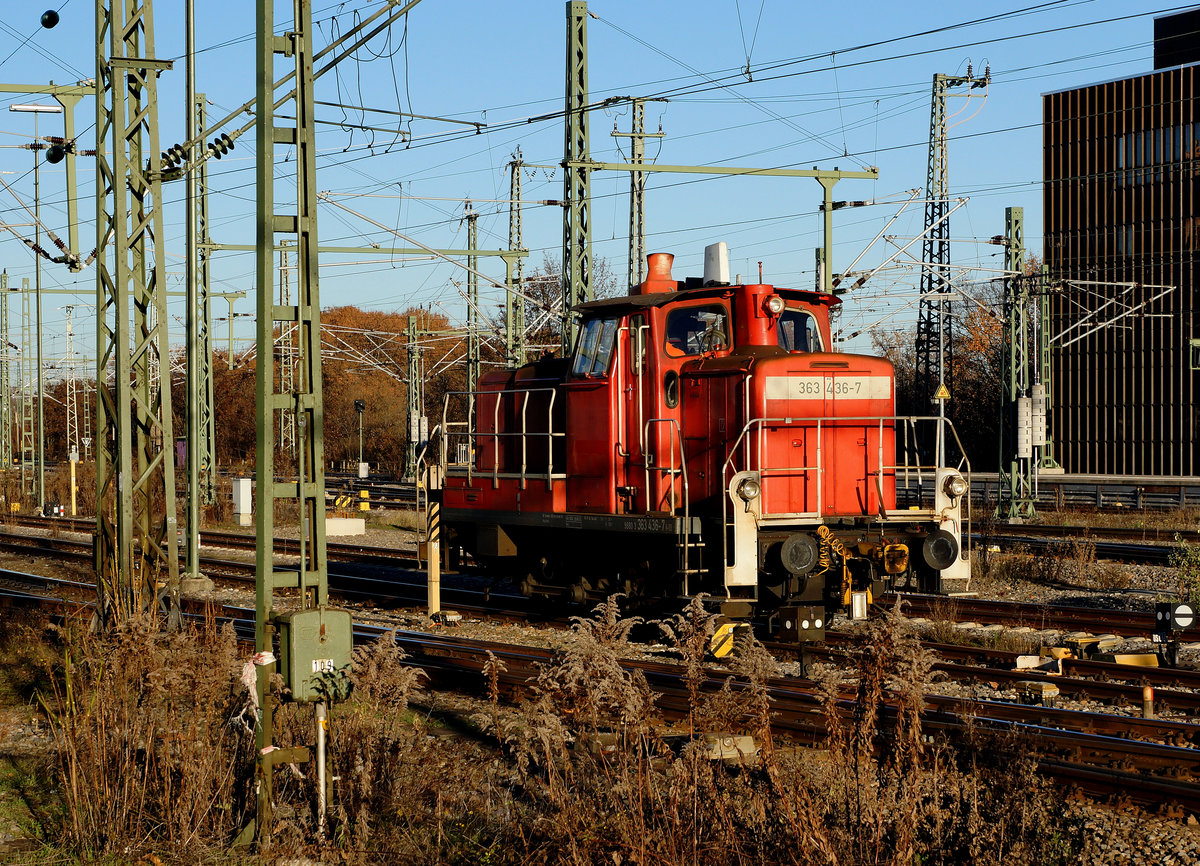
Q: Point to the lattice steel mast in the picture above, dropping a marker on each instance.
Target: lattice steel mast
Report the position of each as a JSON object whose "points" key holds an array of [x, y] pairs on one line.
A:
{"points": [[577, 193], [637, 136], [198, 414], [934, 329], [514, 271], [315, 641], [135, 474], [25, 436], [413, 392], [207, 450], [1018, 493], [5, 379], [474, 358], [72, 384]]}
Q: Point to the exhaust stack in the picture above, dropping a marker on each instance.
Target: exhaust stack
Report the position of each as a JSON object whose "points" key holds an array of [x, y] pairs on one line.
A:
{"points": [[658, 278]]}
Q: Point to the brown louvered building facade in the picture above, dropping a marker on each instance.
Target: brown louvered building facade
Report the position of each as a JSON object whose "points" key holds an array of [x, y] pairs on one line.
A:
{"points": [[1122, 184]]}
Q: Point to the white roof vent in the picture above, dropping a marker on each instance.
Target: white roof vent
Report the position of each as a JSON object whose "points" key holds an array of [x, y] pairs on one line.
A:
{"points": [[716, 264]]}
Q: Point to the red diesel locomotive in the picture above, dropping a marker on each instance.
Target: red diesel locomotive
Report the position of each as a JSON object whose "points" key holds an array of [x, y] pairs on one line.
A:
{"points": [[705, 437]]}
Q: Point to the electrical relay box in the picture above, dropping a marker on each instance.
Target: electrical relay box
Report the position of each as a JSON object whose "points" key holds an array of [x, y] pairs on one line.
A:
{"points": [[315, 653]]}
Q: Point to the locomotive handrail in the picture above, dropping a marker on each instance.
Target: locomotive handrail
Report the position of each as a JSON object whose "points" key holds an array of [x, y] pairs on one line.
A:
{"points": [[549, 436], [675, 435], [906, 422], [820, 422], [472, 434]]}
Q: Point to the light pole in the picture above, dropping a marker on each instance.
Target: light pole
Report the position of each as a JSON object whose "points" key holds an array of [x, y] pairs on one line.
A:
{"points": [[36, 109], [360, 406]]}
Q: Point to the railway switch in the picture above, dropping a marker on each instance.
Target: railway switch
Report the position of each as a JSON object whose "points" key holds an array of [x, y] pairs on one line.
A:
{"points": [[1038, 693]]}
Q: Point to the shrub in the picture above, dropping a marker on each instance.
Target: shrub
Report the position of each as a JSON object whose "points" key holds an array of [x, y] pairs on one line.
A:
{"points": [[153, 739], [1185, 559]]}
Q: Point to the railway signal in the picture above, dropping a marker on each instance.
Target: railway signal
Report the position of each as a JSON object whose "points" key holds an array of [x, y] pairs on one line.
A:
{"points": [[1170, 618], [1173, 616], [360, 406]]}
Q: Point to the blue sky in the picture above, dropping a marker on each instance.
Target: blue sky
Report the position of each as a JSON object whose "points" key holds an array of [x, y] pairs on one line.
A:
{"points": [[830, 85]]}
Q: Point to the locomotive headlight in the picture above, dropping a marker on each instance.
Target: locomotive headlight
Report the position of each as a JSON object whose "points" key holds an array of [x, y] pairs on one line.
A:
{"points": [[774, 305], [954, 486], [749, 489]]}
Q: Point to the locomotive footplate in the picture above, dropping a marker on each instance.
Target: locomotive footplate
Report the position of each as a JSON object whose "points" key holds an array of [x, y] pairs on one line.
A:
{"points": [[639, 523]]}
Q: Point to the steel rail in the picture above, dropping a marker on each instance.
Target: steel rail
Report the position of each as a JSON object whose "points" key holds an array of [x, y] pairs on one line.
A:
{"points": [[1125, 623], [1099, 759]]}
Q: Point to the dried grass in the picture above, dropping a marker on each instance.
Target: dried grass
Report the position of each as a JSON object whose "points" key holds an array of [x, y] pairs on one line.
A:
{"points": [[154, 757], [152, 738]]}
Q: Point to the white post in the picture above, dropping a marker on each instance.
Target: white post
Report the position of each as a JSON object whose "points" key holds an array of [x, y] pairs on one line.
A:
{"points": [[321, 804], [74, 460], [435, 556]]}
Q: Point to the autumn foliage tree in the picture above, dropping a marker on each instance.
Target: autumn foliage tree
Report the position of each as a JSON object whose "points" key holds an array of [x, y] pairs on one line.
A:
{"points": [[542, 298], [365, 357], [976, 368]]}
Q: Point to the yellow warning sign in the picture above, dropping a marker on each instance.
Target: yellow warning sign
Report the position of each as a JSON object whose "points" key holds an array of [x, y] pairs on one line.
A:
{"points": [[942, 392]]}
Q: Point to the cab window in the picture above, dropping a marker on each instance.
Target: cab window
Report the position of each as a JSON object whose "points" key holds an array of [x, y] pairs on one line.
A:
{"points": [[798, 332], [696, 330], [594, 349]]}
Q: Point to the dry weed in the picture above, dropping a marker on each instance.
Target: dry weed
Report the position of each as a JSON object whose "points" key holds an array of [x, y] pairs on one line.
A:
{"points": [[587, 773], [152, 739]]}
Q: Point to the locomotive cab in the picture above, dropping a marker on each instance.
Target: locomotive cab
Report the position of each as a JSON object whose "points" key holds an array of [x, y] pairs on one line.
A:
{"points": [[704, 437]]}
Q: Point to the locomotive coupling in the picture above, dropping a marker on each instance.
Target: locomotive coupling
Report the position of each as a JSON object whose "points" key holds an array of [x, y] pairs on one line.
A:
{"points": [[895, 558]]}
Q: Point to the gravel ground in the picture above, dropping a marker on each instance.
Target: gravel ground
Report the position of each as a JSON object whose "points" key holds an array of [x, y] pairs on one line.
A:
{"points": [[1117, 834]]}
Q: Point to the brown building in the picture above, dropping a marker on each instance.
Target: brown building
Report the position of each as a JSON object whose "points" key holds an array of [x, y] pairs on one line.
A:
{"points": [[1122, 176]]}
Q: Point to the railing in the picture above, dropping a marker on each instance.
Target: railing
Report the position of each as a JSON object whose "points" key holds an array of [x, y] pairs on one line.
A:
{"points": [[674, 445], [671, 471], [465, 432], [908, 469]]}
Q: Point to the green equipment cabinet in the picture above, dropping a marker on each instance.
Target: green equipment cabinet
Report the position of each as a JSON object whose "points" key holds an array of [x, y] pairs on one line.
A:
{"points": [[315, 648]]}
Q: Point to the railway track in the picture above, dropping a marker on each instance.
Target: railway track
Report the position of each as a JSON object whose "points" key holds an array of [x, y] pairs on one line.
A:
{"points": [[1121, 686], [379, 575], [1110, 493], [362, 586], [1151, 761], [1141, 545], [1071, 532], [1063, 618]]}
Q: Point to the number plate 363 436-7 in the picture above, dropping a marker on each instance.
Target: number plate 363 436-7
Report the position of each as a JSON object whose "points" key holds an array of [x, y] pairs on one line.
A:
{"points": [[829, 388]]}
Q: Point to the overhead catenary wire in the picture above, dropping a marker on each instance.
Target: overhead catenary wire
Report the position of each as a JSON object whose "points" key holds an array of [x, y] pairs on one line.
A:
{"points": [[977, 133]]}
